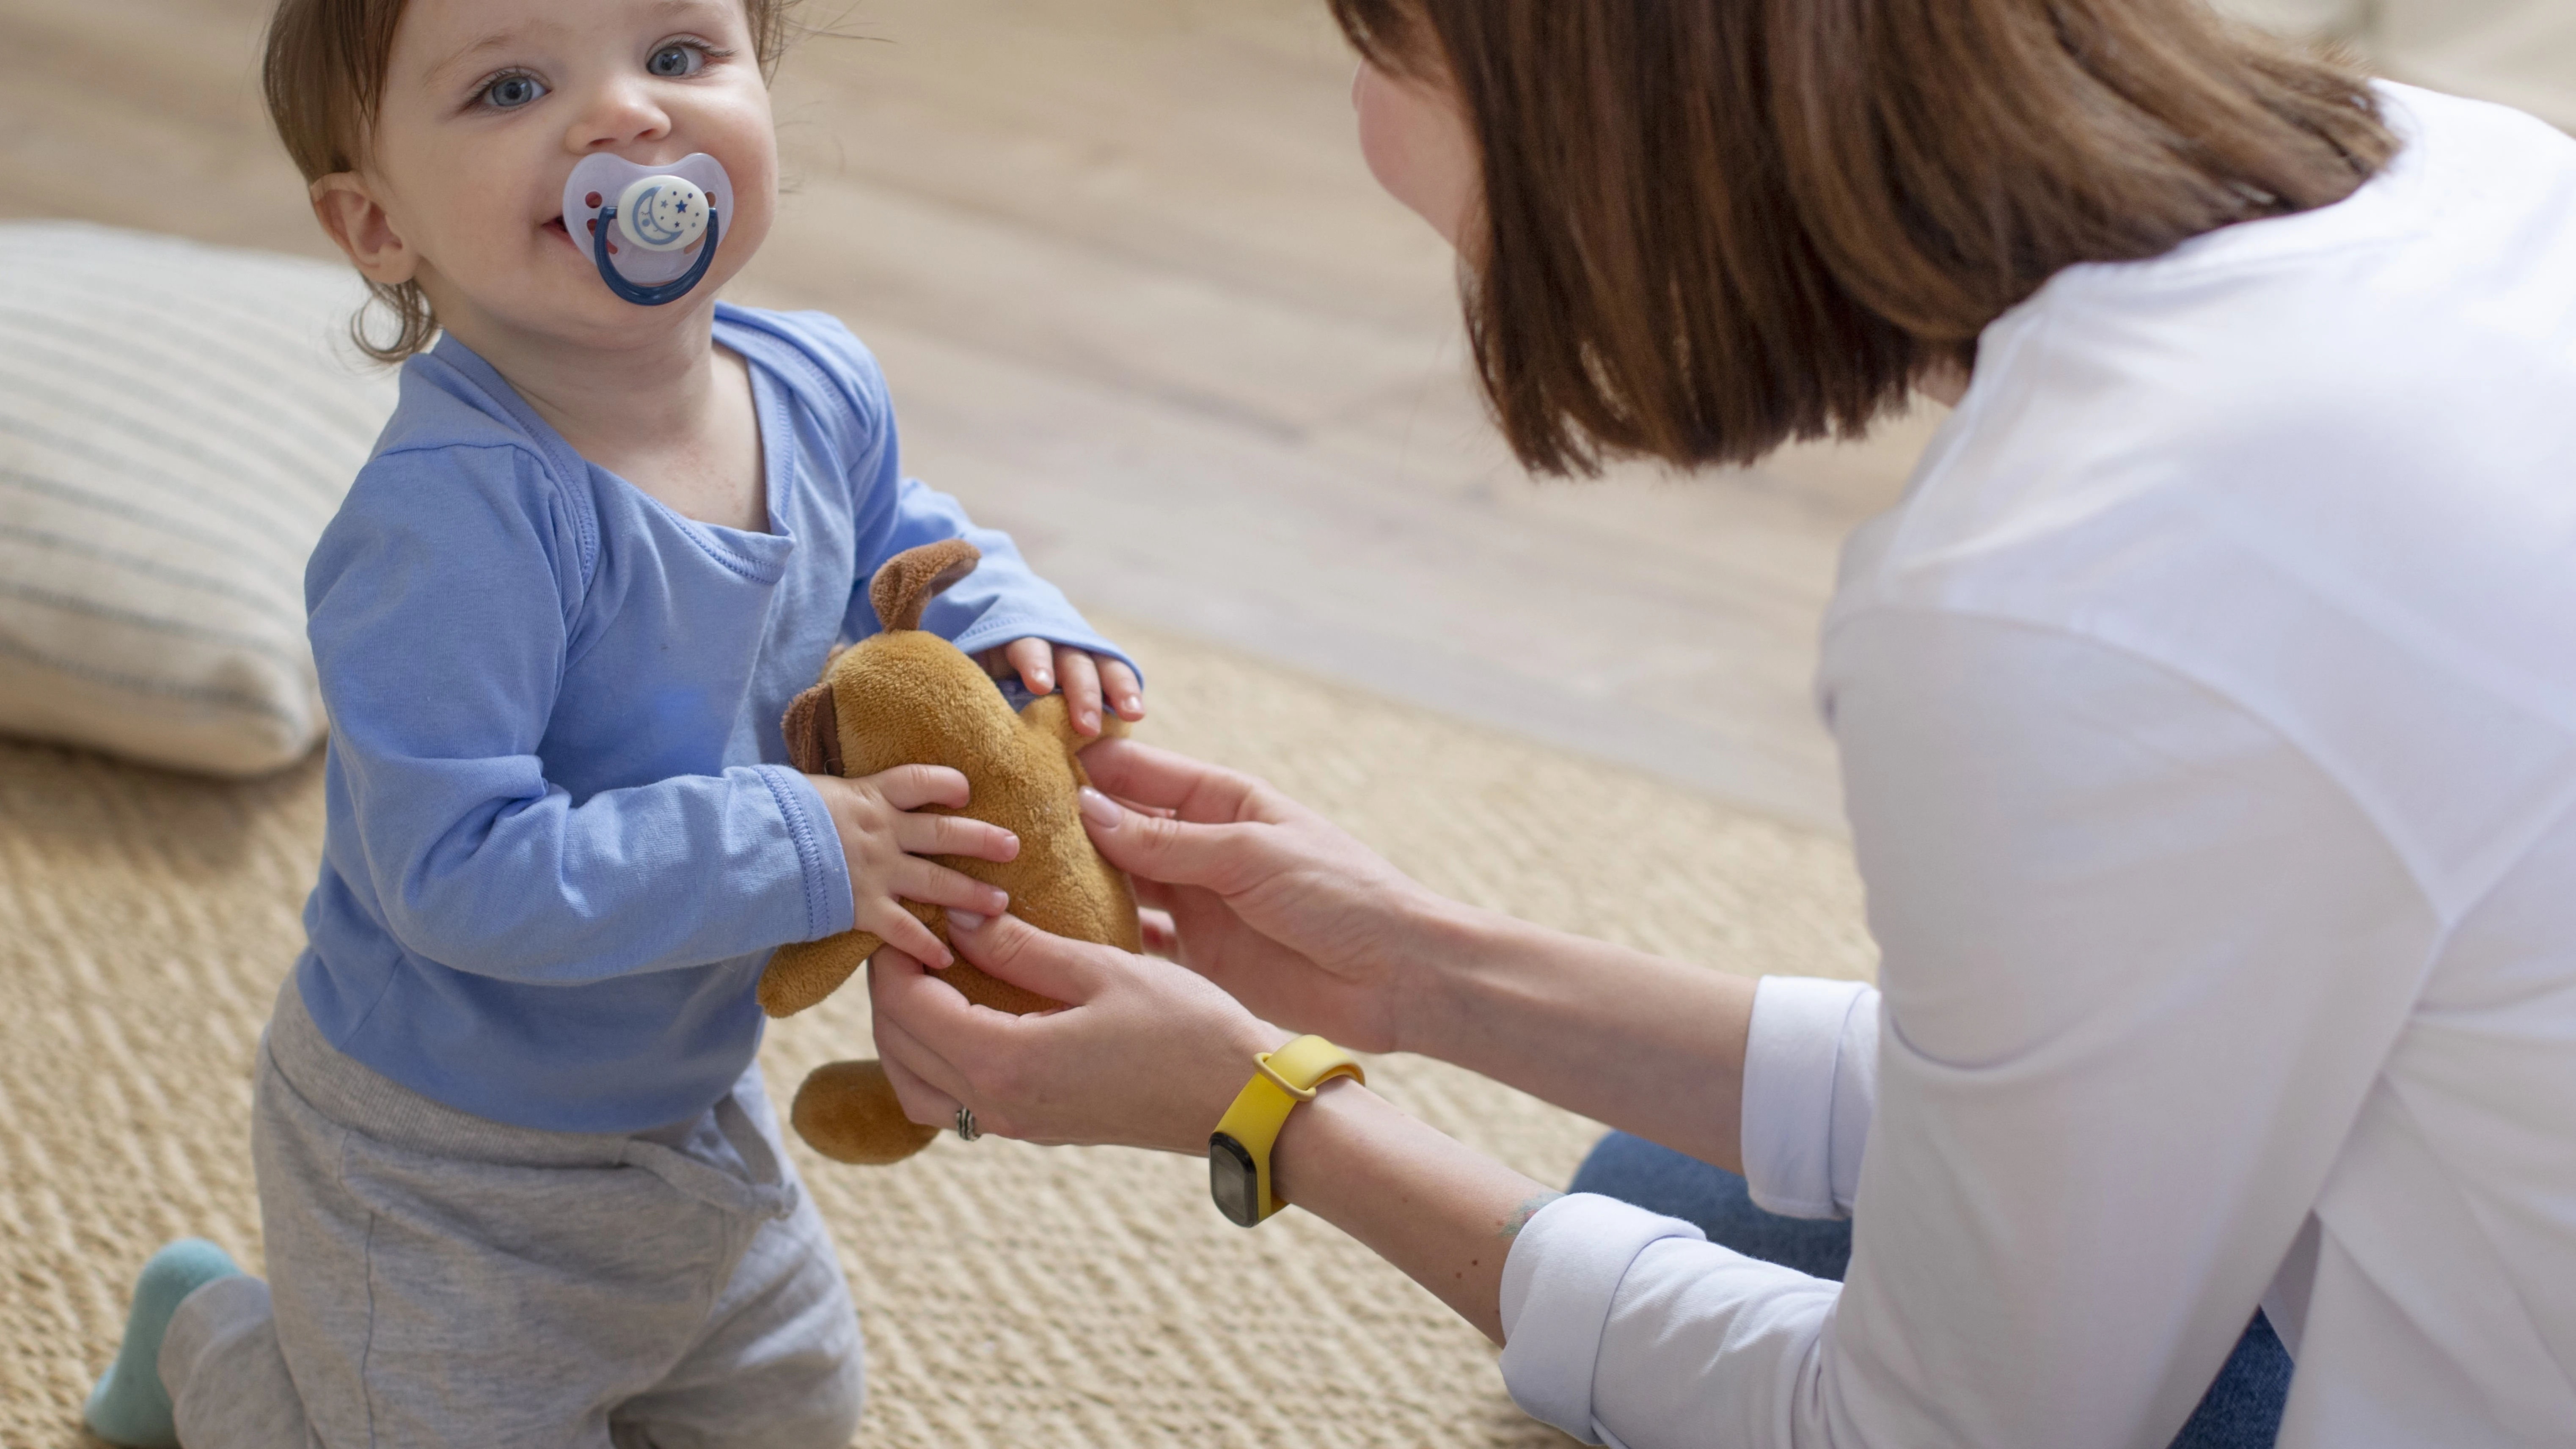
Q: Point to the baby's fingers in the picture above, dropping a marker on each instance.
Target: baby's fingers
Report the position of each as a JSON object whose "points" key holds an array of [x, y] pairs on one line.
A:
{"points": [[955, 835], [1032, 659], [909, 787], [1122, 689], [936, 885], [903, 931], [1081, 677]]}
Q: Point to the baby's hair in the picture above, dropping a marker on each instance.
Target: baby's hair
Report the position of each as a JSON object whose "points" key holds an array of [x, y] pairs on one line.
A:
{"points": [[325, 77]]}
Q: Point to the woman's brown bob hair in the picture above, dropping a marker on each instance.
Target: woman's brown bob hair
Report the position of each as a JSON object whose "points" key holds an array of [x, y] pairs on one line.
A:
{"points": [[324, 78], [1714, 226]]}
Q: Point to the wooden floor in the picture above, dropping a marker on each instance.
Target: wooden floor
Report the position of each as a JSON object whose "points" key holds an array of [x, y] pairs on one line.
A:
{"points": [[1142, 305]]}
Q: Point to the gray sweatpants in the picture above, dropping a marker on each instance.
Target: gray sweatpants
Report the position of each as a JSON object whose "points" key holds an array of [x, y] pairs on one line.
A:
{"points": [[439, 1279]]}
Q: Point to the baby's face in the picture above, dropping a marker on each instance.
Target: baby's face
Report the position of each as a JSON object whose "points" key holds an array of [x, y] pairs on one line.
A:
{"points": [[489, 103]]}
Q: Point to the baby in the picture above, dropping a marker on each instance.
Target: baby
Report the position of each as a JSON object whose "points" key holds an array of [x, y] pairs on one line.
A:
{"points": [[519, 1181]]}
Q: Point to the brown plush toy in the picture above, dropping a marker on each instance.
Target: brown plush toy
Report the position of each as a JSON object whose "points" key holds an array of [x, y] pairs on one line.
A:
{"points": [[905, 697]]}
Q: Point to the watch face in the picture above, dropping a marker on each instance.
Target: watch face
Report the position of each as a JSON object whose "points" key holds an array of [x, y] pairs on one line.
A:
{"points": [[1234, 1181]]}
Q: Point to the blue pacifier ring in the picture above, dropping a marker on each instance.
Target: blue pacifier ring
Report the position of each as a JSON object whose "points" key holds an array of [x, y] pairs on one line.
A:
{"points": [[670, 291]]}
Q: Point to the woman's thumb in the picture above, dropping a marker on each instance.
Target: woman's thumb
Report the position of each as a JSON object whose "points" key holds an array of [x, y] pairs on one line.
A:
{"points": [[1011, 950]]}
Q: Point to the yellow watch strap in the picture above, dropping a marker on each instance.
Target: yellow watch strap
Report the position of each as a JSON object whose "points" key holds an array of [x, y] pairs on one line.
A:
{"points": [[1280, 1081]]}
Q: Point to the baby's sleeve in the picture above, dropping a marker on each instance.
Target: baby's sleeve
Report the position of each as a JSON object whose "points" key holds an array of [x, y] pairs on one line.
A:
{"points": [[441, 603], [1003, 599]]}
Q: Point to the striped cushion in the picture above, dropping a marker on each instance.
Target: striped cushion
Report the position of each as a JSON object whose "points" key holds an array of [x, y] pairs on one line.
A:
{"points": [[177, 423]]}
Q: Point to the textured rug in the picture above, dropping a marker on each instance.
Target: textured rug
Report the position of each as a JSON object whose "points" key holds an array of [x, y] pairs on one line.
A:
{"points": [[1012, 1295]]}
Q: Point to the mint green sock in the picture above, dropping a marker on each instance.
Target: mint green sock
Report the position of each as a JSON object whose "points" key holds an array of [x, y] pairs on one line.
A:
{"points": [[130, 1407]]}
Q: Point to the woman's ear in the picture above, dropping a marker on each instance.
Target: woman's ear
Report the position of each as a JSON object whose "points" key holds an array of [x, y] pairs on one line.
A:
{"points": [[1421, 147], [357, 221]]}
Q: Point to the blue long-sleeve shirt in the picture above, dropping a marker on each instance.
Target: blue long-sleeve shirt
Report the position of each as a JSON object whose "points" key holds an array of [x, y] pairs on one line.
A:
{"points": [[561, 840]]}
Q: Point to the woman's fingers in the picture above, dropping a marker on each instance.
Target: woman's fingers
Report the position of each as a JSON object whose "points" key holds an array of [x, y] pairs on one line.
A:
{"points": [[1162, 938], [935, 1032], [1143, 1053], [955, 835], [909, 787], [1080, 675], [1015, 951], [921, 1102], [1161, 779], [901, 991], [1122, 689], [1154, 847]]}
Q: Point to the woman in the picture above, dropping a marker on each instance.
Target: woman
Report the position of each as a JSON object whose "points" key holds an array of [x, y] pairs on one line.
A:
{"points": [[2207, 712]]}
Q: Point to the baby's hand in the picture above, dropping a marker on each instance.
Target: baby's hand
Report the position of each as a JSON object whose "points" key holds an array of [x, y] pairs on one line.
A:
{"points": [[884, 842], [1087, 678]]}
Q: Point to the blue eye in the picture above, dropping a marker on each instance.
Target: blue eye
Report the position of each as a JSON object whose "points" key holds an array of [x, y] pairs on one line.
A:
{"points": [[512, 91], [676, 60]]}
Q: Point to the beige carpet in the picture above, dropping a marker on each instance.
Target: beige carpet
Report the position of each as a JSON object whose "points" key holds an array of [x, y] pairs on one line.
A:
{"points": [[1012, 1295]]}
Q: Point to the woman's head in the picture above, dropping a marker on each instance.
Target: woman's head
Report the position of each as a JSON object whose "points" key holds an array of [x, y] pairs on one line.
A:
{"points": [[436, 139], [1698, 229]]}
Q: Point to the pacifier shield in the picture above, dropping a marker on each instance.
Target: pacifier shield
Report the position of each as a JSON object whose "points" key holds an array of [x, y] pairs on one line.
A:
{"points": [[655, 235]]}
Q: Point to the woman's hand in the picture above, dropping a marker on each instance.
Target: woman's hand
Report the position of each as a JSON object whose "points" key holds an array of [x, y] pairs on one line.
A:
{"points": [[1303, 924], [1314, 931], [1143, 1054]]}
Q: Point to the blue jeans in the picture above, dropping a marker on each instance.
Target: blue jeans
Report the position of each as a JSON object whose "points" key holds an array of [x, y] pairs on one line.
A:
{"points": [[2242, 1409]]}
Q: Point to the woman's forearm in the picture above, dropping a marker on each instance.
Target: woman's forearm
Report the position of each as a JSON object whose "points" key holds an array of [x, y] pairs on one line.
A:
{"points": [[1647, 1045], [1315, 932], [1440, 1211]]}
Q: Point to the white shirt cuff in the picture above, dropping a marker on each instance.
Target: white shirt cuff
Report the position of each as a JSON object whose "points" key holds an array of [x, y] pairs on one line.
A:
{"points": [[1558, 1282], [1810, 1089]]}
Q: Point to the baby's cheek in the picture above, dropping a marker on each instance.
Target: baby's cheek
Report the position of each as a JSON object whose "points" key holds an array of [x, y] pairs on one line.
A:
{"points": [[748, 147]]}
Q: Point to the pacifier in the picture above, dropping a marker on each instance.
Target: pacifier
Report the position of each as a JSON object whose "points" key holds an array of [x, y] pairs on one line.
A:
{"points": [[652, 229]]}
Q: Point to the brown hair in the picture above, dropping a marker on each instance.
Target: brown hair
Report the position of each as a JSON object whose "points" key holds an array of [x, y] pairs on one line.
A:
{"points": [[1711, 227], [324, 78]]}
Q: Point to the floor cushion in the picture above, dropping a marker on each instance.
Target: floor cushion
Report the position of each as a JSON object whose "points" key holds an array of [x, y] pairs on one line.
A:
{"points": [[177, 423]]}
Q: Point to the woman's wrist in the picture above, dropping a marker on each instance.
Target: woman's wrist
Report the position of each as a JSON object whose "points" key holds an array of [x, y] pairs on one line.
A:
{"points": [[1634, 1040], [1315, 1145], [1222, 1062], [1442, 1212], [1458, 953]]}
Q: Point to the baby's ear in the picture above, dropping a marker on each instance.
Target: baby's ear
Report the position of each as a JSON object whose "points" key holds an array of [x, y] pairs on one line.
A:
{"points": [[813, 730]]}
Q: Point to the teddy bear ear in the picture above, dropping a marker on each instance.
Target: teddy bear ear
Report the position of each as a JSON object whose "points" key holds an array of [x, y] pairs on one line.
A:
{"points": [[813, 730], [907, 582]]}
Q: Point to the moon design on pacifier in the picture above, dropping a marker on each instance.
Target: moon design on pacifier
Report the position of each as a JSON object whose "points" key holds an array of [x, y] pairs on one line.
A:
{"points": [[662, 213]]}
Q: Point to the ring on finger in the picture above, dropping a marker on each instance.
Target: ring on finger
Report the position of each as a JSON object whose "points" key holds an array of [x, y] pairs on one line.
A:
{"points": [[967, 1131]]}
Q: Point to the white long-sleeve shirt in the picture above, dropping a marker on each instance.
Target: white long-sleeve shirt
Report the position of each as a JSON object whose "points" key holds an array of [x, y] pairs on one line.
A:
{"points": [[2208, 719]]}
